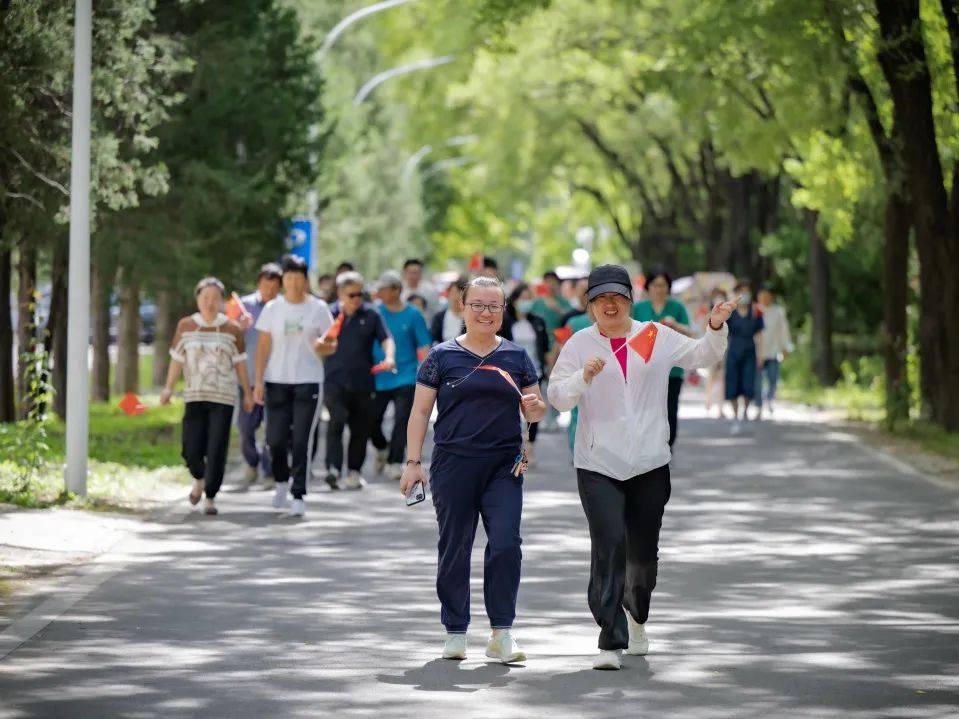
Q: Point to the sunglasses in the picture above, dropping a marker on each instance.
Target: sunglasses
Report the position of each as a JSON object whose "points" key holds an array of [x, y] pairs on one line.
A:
{"points": [[354, 295]]}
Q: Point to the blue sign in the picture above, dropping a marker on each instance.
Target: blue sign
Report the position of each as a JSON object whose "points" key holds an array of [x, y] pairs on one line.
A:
{"points": [[300, 240]]}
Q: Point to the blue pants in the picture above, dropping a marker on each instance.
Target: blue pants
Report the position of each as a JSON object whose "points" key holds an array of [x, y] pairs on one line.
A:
{"points": [[770, 375], [248, 423], [465, 489], [741, 373]]}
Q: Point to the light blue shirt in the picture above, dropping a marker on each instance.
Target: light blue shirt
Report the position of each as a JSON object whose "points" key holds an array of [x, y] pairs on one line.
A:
{"points": [[409, 331]]}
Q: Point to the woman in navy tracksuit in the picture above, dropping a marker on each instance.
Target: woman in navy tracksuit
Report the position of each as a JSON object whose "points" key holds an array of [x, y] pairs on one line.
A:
{"points": [[481, 383]]}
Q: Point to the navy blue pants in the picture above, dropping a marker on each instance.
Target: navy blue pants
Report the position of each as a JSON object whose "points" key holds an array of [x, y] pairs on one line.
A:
{"points": [[465, 489], [741, 374], [248, 423]]}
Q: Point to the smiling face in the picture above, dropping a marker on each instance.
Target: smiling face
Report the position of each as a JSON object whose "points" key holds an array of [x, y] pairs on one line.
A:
{"points": [[612, 312], [483, 324]]}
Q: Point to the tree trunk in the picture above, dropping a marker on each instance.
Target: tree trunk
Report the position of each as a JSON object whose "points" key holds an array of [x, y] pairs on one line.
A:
{"points": [[26, 318], [57, 325], [8, 411], [895, 299], [823, 363], [128, 333], [100, 301], [902, 56], [164, 333]]}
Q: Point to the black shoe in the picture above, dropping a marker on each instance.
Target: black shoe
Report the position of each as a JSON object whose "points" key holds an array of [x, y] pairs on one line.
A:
{"points": [[332, 480]]}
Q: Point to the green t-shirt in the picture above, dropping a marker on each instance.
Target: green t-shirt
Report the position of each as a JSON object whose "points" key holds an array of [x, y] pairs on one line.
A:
{"points": [[644, 312], [579, 322], [551, 317]]}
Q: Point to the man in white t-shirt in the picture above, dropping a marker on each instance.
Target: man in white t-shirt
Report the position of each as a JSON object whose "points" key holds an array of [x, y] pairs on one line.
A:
{"points": [[414, 284], [289, 378]]}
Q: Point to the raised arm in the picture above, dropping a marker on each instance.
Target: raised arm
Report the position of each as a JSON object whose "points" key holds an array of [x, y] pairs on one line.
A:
{"points": [[709, 349]]}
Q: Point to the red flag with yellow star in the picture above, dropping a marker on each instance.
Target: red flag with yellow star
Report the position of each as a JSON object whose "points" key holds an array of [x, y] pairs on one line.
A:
{"points": [[643, 342]]}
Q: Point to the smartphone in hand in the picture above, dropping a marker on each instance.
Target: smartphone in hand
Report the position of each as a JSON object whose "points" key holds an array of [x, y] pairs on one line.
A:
{"points": [[416, 495]]}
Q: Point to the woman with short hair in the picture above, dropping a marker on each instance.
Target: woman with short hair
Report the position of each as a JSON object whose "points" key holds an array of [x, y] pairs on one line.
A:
{"points": [[483, 386], [208, 348], [617, 373]]}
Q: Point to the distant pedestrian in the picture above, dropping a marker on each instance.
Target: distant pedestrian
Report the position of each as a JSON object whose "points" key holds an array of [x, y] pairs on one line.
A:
{"points": [[660, 307], [417, 301], [742, 358], [522, 326], [209, 350], [776, 346], [326, 288], [414, 283], [715, 372], [448, 322], [289, 379], [616, 373], [412, 340], [348, 388], [480, 384], [551, 307], [254, 456]]}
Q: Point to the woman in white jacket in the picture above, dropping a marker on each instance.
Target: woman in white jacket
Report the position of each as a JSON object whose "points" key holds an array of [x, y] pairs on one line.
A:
{"points": [[617, 373]]}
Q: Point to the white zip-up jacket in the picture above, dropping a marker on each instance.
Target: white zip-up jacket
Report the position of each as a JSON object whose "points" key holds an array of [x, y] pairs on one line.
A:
{"points": [[622, 429]]}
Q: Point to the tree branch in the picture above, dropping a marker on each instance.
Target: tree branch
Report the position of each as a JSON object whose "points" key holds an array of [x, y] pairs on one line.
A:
{"points": [[39, 175], [605, 204]]}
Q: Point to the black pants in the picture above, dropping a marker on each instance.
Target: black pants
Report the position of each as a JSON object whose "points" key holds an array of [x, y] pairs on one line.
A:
{"points": [[672, 406], [402, 399], [624, 520], [353, 409], [292, 414], [206, 438]]}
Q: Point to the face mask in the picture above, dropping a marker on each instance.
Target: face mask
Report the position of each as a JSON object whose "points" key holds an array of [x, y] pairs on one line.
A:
{"points": [[525, 306], [745, 298]]}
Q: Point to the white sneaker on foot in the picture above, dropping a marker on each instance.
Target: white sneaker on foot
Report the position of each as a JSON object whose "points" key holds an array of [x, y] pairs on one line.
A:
{"points": [[638, 642], [455, 646], [607, 659], [502, 646], [297, 508], [279, 496], [354, 480], [379, 460]]}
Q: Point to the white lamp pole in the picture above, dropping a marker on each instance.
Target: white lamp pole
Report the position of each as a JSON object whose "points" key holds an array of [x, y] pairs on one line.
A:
{"points": [[78, 300]]}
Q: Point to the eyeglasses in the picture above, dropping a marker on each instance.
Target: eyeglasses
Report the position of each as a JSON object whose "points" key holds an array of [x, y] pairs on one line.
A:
{"points": [[354, 295], [479, 307]]}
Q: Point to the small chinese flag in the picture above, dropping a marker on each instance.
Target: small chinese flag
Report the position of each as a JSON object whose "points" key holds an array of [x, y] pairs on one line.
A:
{"points": [[563, 334], [334, 331], [233, 309], [476, 261], [542, 290], [132, 405], [379, 368], [421, 353], [643, 342], [504, 374]]}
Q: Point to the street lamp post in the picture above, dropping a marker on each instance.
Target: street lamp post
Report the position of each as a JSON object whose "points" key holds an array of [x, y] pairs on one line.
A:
{"points": [[78, 297]]}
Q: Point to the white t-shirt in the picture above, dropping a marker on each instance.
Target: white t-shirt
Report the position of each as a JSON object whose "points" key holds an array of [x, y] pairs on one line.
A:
{"points": [[452, 325], [525, 336], [293, 329]]}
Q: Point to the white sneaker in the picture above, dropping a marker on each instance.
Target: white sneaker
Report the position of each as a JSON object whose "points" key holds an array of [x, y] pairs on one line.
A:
{"points": [[354, 480], [279, 496], [249, 476], [379, 460], [297, 508], [502, 646], [455, 646], [638, 642], [607, 659]]}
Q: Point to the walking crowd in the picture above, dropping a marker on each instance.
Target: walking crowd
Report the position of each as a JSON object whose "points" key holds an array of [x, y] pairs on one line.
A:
{"points": [[488, 363]]}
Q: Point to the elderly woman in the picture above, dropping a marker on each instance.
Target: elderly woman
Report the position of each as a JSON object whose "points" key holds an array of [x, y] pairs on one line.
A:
{"points": [[617, 373], [481, 384], [209, 350]]}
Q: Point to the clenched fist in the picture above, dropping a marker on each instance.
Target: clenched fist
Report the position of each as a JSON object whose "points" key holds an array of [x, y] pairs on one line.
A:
{"points": [[592, 368]]}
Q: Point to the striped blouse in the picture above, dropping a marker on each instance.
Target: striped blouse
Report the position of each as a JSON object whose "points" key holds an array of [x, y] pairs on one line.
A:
{"points": [[209, 353]]}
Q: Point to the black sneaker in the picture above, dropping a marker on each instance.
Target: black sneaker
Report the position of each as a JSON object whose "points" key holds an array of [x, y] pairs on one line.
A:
{"points": [[332, 480]]}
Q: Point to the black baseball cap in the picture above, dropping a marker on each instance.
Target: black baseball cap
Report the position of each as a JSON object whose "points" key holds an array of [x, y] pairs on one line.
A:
{"points": [[609, 278]]}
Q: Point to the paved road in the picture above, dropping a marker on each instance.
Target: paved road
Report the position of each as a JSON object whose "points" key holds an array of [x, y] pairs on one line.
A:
{"points": [[801, 575]]}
